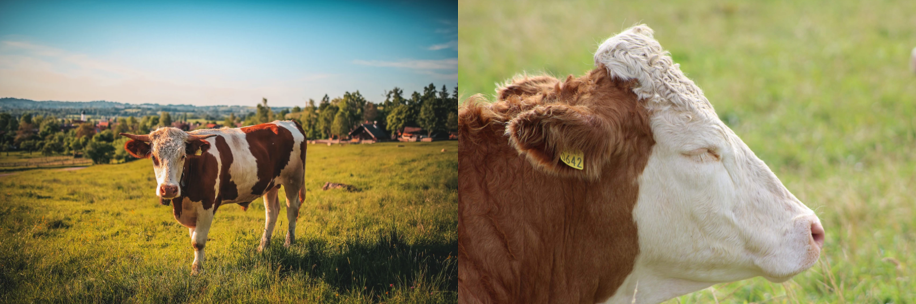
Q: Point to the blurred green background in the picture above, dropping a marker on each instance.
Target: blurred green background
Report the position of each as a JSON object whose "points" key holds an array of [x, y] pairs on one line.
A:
{"points": [[821, 91]]}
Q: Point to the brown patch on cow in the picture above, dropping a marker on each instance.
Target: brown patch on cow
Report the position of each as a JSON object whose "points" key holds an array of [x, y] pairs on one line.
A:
{"points": [[228, 190], [192, 146], [197, 245], [531, 229], [137, 149], [272, 146], [199, 181]]}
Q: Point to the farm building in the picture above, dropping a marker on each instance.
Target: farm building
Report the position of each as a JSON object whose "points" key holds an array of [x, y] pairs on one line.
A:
{"points": [[369, 132]]}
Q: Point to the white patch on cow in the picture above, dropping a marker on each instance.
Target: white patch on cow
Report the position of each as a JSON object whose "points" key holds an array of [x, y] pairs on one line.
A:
{"points": [[244, 168], [708, 209], [199, 235], [168, 145], [295, 164]]}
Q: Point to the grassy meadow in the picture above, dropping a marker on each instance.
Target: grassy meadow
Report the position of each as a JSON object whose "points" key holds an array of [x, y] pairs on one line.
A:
{"points": [[99, 235], [820, 90]]}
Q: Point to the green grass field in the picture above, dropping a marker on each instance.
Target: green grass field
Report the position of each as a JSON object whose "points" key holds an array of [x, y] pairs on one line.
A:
{"points": [[820, 90], [99, 235]]}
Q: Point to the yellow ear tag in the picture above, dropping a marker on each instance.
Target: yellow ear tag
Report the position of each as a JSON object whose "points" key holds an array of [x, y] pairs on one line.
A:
{"points": [[573, 159], [198, 152]]}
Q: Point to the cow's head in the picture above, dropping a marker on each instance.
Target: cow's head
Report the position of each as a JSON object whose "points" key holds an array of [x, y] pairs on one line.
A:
{"points": [[708, 210], [168, 148]]}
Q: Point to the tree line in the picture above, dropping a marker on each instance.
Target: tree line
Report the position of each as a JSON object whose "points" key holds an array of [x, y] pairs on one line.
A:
{"points": [[433, 110]]}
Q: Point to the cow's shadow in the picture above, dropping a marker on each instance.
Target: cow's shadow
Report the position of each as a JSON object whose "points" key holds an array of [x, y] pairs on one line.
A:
{"points": [[371, 267]]}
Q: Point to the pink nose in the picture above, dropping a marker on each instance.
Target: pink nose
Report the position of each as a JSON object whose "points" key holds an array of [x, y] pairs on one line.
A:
{"points": [[817, 233], [168, 191]]}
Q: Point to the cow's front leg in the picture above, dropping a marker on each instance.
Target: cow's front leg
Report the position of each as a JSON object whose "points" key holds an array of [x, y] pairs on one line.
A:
{"points": [[271, 211], [199, 239]]}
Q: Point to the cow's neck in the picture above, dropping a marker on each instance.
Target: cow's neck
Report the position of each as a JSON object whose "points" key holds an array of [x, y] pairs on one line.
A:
{"points": [[575, 238], [197, 182]]}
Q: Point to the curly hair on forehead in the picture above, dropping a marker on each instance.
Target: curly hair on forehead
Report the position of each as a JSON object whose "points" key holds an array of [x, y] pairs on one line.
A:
{"points": [[168, 141]]}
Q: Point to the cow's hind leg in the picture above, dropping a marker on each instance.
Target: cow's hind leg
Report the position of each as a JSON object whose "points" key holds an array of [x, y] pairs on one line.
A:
{"points": [[271, 211], [295, 195]]}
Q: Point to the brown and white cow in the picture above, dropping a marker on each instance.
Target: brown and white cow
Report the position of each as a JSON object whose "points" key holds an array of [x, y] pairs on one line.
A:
{"points": [[201, 170], [666, 199]]}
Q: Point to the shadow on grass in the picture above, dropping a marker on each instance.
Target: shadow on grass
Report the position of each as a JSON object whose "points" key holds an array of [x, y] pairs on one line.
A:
{"points": [[366, 265]]}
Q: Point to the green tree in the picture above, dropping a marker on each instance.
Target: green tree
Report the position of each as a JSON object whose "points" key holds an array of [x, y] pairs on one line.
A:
{"points": [[434, 110], [341, 124], [165, 120], [153, 121], [264, 113], [297, 109], [105, 136], [309, 120], [132, 124], [26, 130], [28, 145], [48, 127], [121, 127], [230, 121], [282, 114], [100, 152], [75, 146], [398, 118], [50, 148], [120, 155], [326, 119], [85, 130]]}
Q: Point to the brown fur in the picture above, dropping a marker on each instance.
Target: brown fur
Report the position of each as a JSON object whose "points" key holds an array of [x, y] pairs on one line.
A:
{"points": [[137, 149], [228, 190], [273, 145], [530, 228]]}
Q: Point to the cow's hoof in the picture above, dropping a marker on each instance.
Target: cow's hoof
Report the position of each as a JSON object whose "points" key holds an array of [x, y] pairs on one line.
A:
{"points": [[196, 270], [289, 241]]}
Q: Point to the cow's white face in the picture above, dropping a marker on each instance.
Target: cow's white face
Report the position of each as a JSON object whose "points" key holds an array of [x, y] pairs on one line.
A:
{"points": [[168, 153], [710, 211]]}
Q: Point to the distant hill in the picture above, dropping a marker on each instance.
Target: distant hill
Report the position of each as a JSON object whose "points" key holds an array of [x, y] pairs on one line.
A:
{"points": [[102, 108]]}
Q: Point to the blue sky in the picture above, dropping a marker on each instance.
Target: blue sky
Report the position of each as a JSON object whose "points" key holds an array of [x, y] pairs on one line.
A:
{"points": [[225, 52]]}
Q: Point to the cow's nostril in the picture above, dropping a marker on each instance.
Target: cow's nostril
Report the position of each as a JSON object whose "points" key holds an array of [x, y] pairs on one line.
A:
{"points": [[817, 233]]}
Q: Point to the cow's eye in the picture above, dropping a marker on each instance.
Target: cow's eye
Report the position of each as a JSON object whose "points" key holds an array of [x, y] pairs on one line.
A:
{"points": [[702, 155], [182, 157], [155, 161]]}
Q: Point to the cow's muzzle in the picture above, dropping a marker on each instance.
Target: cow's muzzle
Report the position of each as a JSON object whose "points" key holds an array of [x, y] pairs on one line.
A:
{"points": [[168, 191]]}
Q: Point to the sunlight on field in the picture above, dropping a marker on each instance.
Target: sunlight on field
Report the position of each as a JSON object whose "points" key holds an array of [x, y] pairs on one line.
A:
{"points": [[820, 90], [99, 235]]}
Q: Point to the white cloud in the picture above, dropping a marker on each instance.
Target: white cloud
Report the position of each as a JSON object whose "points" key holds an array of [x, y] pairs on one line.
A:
{"points": [[448, 45]]}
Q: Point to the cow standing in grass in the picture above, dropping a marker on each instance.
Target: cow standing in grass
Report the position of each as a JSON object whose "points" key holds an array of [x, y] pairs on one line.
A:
{"points": [[201, 170]]}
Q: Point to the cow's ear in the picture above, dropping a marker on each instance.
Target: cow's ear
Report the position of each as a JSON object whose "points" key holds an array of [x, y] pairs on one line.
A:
{"points": [[563, 140], [137, 148], [197, 146]]}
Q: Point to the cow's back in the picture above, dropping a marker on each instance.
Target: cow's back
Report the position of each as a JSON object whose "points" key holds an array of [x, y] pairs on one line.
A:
{"points": [[257, 158]]}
